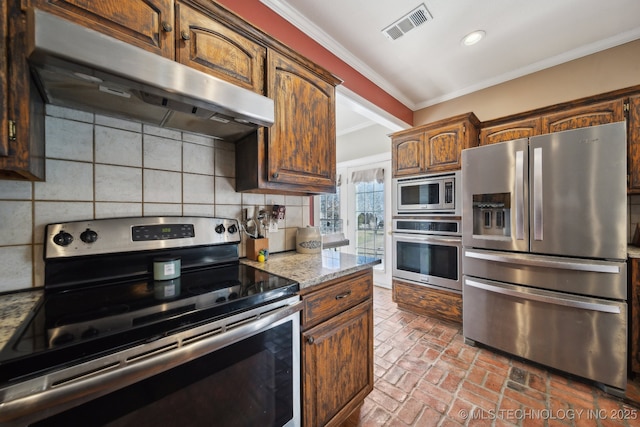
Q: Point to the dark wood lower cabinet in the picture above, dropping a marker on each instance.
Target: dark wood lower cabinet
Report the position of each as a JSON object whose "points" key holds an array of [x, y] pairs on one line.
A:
{"points": [[337, 349], [634, 317], [428, 301]]}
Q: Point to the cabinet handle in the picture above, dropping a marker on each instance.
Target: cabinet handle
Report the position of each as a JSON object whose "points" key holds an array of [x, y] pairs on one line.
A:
{"points": [[185, 35], [344, 295], [166, 26], [310, 340]]}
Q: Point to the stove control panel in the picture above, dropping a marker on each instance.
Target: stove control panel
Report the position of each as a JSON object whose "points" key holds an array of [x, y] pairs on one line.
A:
{"points": [[115, 235]]}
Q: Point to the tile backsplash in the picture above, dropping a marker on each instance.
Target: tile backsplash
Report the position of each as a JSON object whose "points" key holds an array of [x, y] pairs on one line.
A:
{"points": [[102, 167]]}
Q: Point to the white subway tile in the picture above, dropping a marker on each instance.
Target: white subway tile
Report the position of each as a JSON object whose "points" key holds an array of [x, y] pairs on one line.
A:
{"points": [[162, 187], [115, 210], [198, 139], [197, 188], [114, 122], [294, 218], [162, 209], [229, 211], [16, 268], [118, 184], [68, 113], [226, 192], [66, 180], [68, 139], [15, 190], [162, 153], [252, 199], [198, 210], [225, 163], [162, 132], [17, 226], [118, 147], [198, 159]]}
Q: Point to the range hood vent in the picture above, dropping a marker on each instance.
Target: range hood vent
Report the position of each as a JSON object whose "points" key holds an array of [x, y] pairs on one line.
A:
{"points": [[413, 19], [81, 68]]}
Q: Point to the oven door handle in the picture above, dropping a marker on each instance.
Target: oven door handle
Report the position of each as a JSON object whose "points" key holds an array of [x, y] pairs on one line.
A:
{"points": [[428, 238], [61, 390], [532, 261], [567, 302]]}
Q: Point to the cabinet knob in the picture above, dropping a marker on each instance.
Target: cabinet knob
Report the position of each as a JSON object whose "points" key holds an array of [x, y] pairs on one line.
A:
{"points": [[166, 26], [310, 340], [185, 35], [275, 175]]}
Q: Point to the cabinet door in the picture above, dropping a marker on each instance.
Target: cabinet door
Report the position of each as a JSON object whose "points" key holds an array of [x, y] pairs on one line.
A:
{"points": [[208, 46], [338, 366], [444, 147], [24, 157], [407, 152], [633, 141], [590, 115], [510, 131], [4, 88], [147, 24], [634, 327], [302, 141]]}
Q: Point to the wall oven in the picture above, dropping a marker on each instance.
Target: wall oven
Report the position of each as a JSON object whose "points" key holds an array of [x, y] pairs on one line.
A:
{"points": [[111, 345], [428, 252], [434, 194]]}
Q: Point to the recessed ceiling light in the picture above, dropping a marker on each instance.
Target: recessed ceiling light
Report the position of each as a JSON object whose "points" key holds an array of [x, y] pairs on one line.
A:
{"points": [[473, 38]]}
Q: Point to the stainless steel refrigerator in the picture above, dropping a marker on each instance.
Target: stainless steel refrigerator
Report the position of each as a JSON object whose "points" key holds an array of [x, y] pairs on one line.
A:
{"points": [[544, 250]]}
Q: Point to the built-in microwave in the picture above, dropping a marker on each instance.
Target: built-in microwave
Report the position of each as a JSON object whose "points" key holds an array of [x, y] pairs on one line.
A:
{"points": [[434, 194]]}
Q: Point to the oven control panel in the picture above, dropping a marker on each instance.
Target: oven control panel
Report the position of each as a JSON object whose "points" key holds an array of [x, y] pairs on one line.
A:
{"points": [[114, 235]]}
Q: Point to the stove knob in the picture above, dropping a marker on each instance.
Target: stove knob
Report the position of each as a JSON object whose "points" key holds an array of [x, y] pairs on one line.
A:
{"points": [[88, 236], [232, 228], [63, 238], [220, 229]]}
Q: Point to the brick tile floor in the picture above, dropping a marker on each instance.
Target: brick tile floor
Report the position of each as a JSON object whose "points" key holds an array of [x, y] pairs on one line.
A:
{"points": [[425, 375]]}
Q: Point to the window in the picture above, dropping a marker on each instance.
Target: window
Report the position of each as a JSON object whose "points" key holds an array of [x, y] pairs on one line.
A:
{"points": [[330, 221], [369, 212]]}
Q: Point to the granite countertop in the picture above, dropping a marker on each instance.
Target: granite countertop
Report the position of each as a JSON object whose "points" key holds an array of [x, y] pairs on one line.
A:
{"points": [[313, 269], [14, 309], [633, 251]]}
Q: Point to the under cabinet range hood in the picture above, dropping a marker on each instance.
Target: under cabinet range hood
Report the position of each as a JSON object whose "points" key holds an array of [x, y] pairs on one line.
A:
{"points": [[80, 68]]}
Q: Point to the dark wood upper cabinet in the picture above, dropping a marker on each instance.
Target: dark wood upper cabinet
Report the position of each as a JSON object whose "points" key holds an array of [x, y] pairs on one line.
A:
{"points": [[510, 131], [147, 24], [206, 45], [435, 147], [22, 116], [633, 141], [584, 116]]}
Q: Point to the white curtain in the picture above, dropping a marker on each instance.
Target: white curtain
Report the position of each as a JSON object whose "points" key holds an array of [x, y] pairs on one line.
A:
{"points": [[368, 175]]}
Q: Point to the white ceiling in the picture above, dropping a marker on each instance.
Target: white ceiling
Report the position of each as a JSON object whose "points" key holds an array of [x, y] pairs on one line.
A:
{"points": [[428, 64]]}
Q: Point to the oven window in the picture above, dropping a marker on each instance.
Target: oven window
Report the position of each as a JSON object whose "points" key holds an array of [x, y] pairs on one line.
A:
{"points": [[428, 259], [249, 383], [420, 194]]}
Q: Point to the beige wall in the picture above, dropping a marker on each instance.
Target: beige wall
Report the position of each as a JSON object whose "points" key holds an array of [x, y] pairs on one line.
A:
{"points": [[612, 69]]}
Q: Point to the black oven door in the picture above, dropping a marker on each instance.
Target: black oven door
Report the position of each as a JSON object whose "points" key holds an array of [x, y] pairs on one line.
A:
{"points": [[428, 260], [249, 383], [243, 370]]}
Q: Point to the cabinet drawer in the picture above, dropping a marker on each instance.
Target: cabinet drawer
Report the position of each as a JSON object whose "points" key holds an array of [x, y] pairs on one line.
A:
{"points": [[336, 298], [428, 301]]}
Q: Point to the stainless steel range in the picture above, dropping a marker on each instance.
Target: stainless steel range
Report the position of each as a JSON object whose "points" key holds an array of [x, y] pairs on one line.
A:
{"points": [[151, 321]]}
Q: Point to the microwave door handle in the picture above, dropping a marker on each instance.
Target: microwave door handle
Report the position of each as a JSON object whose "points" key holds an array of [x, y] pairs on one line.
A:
{"points": [[519, 195], [537, 194]]}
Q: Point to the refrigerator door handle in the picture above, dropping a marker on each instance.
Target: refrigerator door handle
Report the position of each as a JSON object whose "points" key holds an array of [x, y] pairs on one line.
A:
{"points": [[545, 263], [519, 195], [537, 194], [583, 305]]}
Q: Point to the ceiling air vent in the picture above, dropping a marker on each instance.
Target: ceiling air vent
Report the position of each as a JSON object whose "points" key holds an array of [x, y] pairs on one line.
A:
{"points": [[413, 19]]}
